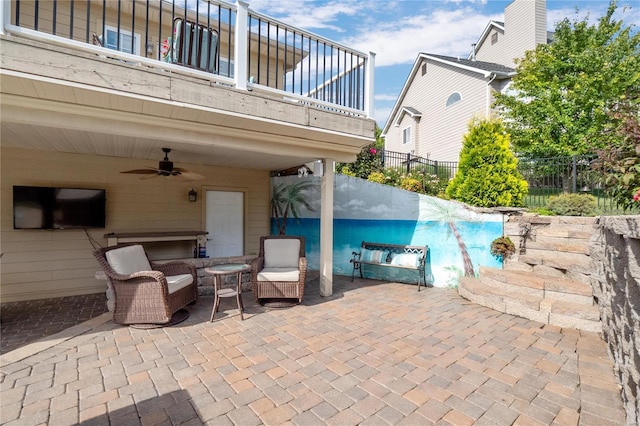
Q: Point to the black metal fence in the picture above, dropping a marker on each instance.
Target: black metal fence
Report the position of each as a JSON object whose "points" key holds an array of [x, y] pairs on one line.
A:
{"points": [[546, 177], [408, 163]]}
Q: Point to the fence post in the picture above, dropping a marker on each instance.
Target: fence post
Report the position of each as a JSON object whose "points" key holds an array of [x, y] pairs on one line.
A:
{"points": [[435, 172], [408, 162], [382, 157], [574, 174]]}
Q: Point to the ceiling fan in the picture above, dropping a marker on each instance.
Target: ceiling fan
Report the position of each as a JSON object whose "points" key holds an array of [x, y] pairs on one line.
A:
{"points": [[165, 168]]}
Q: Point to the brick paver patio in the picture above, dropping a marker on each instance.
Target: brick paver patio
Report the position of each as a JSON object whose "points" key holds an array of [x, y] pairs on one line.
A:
{"points": [[374, 353]]}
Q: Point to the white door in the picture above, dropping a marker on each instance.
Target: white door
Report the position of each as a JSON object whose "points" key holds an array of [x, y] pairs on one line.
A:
{"points": [[225, 223]]}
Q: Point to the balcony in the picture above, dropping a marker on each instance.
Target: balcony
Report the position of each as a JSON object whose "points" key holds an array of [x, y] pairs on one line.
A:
{"points": [[221, 73]]}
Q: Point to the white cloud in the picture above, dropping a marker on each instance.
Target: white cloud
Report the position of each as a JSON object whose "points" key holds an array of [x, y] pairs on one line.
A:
{"points": [[381, 114], [308, 14], [441, 32], [386, 97]]}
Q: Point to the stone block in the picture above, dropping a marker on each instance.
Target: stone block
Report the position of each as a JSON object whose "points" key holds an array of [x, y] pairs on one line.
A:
{"points": [[548, 271], [561, 285], [587, 312]]}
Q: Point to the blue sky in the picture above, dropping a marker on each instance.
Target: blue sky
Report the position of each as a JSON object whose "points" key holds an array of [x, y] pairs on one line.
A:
{"points": [[397, 30]]}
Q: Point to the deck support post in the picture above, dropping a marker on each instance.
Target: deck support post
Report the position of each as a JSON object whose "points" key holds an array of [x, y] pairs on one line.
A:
{"points": [[326, 229]]}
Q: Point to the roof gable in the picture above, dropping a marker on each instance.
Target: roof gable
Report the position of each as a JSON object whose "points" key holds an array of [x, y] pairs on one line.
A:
{"points": [[487, 30], [412, 112], [486, 69]]}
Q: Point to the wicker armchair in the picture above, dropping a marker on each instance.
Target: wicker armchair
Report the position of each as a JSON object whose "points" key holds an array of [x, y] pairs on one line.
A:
{"points": [[146, 294], [280, 270]]}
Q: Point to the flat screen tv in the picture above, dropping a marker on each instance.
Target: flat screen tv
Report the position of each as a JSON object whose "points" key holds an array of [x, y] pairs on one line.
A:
{"points": [[37, 207]]}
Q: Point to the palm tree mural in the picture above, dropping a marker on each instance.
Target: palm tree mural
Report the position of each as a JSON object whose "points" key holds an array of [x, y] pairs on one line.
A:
{"points": [[287, 200], [449, 212]]}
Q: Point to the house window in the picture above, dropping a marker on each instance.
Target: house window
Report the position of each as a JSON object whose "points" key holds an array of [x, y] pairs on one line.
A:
{"points": [[111, 40], [424, 68], [406, 135], [494, 38], [453, 98]]}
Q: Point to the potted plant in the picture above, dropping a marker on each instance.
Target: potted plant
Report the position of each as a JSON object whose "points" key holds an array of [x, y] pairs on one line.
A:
{"points": [[502, 248]]}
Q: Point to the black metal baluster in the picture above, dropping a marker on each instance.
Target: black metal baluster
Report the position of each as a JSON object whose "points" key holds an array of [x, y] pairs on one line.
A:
{"points": [[87, 21], [55, 13]]}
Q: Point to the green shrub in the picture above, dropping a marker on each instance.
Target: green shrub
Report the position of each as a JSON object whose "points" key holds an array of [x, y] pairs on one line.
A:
{"points": [[367, 161], [376, 177], [346, 171], [411, 184], [542, 211], [572, 204], [487, 172]]}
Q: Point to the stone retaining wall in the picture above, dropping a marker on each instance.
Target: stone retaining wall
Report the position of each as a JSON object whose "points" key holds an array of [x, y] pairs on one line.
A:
{"points": [[615, 254]]}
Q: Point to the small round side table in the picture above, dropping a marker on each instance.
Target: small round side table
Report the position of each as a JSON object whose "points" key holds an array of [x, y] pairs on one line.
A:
{"points": [[219, 272]]}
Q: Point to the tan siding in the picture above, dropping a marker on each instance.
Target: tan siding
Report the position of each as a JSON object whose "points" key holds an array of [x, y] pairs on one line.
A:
{"points": [[525, 24], [42, 263], [441, 129], [495, 53]]}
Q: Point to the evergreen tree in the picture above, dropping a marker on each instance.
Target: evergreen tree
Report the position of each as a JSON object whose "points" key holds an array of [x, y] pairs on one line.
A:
{"points": [[487, 172]]}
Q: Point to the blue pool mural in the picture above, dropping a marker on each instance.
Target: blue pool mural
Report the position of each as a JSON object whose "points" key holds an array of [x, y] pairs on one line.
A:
{"points": [[459, 239]]}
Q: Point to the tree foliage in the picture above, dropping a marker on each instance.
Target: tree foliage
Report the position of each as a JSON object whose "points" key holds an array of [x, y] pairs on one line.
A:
{"points": [[619, 160], [487, 172], [563, 91]]}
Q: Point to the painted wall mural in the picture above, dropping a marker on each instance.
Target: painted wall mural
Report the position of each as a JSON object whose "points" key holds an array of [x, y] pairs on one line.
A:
{"points": [[459, 239]]}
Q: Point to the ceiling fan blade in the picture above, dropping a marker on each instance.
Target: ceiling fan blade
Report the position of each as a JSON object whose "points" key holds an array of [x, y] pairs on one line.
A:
{"points": [[150, 176], [186, 174], [149, 171]]}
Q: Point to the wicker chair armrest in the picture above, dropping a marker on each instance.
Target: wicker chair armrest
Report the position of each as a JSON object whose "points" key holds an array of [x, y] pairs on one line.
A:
{"points": [[174, 268], [302, 264], [257, 265], [152, 275]]}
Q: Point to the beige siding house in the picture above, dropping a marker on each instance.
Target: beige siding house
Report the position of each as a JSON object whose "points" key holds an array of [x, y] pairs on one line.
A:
{"points": [[442, 93], [86, 94]]}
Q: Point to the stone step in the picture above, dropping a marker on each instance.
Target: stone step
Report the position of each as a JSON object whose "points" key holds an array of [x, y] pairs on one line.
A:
{"points": [[580, 263], [533, 284], [567, 314], [561, 313], [514, 265], [557, 244]]}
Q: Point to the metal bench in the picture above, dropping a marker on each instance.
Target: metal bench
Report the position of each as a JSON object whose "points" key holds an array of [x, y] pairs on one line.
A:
{"points": [[392, 256]]}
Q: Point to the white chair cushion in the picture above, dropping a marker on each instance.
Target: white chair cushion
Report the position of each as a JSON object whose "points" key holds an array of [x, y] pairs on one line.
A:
{"points": [[129, 259], [406, 259], [281, 253], [177, 282], [279, 274]]}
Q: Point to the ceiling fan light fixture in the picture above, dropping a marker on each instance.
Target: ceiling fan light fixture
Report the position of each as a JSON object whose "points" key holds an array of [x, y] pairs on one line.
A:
{"points": [[165, 168]]}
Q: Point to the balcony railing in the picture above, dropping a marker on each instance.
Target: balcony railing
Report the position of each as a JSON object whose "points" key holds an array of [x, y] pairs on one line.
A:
{"points": [[227, 43]]}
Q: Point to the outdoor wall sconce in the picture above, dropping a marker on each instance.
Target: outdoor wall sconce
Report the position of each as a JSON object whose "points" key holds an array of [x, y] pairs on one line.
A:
{"points": [[193, 196], [149, 48]]}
